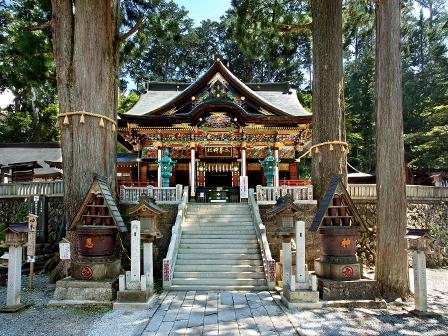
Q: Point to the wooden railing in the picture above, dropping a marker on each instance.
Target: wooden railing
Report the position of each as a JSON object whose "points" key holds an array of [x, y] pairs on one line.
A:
{"points": [[264, 195], [269, 195], [26, 189], [131, 195], [413, 192]]}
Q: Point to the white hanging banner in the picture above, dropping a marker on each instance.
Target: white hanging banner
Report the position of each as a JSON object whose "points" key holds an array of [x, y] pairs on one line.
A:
{"points": [[244, 187]]}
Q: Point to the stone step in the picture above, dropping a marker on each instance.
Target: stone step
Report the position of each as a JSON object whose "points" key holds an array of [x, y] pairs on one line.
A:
{"points": [[218, 275], [220, 267], [191, 281], [210, 251], [200, 257], [219, 246], [181, 262], [218, 220], [224, 235], [219, 240], [219, 288], [218, 231]]}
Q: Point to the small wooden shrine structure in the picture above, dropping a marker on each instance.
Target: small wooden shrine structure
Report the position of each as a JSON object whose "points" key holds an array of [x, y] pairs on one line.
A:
{"points": [[217, 129], [97, 224]]}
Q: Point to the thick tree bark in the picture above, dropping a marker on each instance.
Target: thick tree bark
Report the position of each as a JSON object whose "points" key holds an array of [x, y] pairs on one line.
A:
{"points": [[391, 261], [85, 49], [328, 94]]}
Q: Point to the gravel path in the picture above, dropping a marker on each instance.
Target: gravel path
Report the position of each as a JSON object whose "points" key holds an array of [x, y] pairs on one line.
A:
{"points": [[40, 319]]}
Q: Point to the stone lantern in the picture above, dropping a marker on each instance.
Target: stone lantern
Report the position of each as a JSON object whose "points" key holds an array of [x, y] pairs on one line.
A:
{"points": [[135, 289], [147, 212], [299, 287], [418, 244], [16, 236], [269, 164], [166, 165]]}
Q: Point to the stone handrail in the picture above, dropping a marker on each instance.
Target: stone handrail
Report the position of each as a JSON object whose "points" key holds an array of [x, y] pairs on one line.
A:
{"points": [[176, 232], [268, 261], [27, 189], [131, 195], [269, 195]]}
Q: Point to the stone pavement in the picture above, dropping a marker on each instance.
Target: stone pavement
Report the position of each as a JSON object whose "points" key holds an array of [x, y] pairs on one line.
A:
{"points": [[261, 313], [224, 313], [249, 313]]}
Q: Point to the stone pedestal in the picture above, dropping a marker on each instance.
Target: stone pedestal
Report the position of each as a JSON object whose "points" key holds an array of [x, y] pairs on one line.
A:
{"points": [[136, 290], [70, 291], [302, 298], [95, 270], [336, 271], [13, 303]]}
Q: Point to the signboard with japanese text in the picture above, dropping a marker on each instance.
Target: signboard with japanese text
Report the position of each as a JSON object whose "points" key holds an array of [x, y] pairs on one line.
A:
{"points": [[32, 227], [218, 151], [64, 249]]}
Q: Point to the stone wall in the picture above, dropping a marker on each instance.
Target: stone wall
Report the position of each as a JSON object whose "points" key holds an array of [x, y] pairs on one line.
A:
{"points": [[432, 215], [312, 243]]}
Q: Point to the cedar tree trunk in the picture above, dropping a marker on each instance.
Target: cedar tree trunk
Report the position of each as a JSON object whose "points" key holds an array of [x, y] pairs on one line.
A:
{"points": [[328, 94], [85, 51], [391, 261]]}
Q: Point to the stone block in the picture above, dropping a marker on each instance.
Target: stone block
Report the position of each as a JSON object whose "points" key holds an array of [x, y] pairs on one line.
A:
{"points": [[73, 291], [362, 289], [134, 295], [303, 295]]}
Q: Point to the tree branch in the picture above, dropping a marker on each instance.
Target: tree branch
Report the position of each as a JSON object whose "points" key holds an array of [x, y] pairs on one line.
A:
{"points": [[42, 26], [136, 27], [290, 28]]}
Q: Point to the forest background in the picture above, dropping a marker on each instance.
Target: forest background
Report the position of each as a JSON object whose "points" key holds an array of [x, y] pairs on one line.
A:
{"points": [[263, 41]]}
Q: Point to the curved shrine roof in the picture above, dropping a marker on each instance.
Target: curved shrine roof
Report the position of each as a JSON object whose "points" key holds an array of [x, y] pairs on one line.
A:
{"points": [[265, 99]]}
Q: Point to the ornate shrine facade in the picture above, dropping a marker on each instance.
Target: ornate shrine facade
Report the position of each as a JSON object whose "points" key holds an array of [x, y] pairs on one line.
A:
{"points": [[217, 129]]}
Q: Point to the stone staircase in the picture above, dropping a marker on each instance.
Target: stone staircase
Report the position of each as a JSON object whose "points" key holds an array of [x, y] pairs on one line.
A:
{"points": [[218, 250]]}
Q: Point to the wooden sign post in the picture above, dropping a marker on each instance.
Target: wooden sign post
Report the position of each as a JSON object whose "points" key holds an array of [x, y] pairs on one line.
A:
{"points": [[31, 246], [64, 254]]}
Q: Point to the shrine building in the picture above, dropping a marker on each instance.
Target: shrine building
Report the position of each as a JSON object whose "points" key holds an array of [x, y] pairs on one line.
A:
{"points": [[217, 129]]}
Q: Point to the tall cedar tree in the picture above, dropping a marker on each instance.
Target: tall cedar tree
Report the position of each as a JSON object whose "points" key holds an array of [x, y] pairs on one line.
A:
{"points": [[328, 93], [391, 263], [85, 38]]}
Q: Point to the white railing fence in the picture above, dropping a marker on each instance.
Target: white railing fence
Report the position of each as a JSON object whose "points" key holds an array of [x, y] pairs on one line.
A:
{"points": [[269, 195], [268, 261], [27, 189], [176, 232], [131, 195]]}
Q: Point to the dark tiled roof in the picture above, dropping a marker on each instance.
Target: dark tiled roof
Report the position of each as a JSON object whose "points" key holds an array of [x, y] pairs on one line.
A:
{"points": [[274, 95]]}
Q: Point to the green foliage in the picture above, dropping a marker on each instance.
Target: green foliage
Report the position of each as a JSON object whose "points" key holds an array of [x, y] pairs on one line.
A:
{"points": [[275, 33], [125, 103], [430, 143], [19, 126]]}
